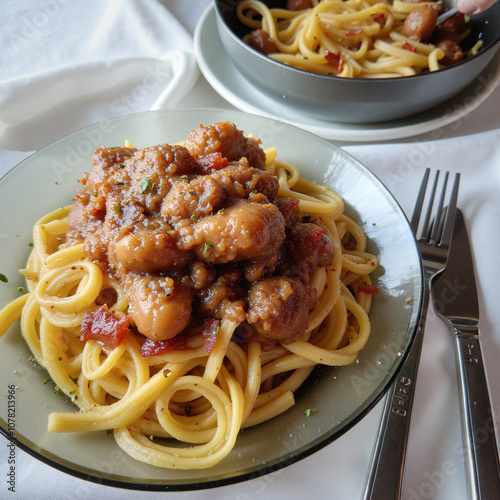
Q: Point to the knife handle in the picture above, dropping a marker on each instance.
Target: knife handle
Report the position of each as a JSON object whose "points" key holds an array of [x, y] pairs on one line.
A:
{"points": [[478, 426]]}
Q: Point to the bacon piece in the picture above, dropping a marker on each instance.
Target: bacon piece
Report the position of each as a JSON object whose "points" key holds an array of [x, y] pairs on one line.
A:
{"points": [[104, 327], [369, 289], [152, 348], [211, 162], [209, 334]]}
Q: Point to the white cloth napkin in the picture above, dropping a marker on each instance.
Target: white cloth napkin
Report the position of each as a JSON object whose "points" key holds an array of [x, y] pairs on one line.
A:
{"points": [[67, 64]]}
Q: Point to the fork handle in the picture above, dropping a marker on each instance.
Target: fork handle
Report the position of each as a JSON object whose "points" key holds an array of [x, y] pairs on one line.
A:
{"points": [[385, 480], [478, 427]]}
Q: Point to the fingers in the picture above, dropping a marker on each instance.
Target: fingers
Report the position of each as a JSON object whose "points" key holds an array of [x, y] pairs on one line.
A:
{"points": [[474, 6]]}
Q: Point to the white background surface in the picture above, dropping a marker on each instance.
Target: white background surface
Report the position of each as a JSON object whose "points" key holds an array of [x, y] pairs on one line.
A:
{"points": [[64, 65]]}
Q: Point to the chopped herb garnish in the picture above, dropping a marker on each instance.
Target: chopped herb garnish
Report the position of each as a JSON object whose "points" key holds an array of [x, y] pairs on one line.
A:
{"points": [[56, 390], [3, 278], [122, 165], [185, 177], [192, 193], [20, 288], [146, 184], [31, 244], [117, 208], [307, 413], [72, 391], [207, 246], [46, 381]]}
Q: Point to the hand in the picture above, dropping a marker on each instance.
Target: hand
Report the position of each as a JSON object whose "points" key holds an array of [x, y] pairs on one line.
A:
{"points": [[474, 6]]}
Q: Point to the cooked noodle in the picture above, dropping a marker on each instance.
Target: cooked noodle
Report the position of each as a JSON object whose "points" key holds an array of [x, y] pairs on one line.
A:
{"points": [[352, 38], [184, 408]]}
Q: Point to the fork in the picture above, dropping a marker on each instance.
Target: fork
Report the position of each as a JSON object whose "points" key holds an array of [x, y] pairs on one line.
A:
{"points": [[385, 480]]}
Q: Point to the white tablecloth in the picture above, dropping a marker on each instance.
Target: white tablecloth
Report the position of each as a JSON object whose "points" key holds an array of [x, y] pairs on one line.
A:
{"points": [[64, 65]]}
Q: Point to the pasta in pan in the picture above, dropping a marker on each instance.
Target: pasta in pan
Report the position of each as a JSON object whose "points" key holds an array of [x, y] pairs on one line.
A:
{"points": [[181, 400], [352, 38]]}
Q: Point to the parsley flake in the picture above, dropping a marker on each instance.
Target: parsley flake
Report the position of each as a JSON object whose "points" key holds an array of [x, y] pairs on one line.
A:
{"points": [[146, 184]]}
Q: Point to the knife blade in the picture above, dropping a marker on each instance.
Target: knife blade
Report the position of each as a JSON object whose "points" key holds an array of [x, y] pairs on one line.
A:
{"points": [[454, 295]]}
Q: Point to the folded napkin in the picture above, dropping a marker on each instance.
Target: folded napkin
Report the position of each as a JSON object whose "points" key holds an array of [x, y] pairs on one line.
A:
{"points": [[67, 64]]}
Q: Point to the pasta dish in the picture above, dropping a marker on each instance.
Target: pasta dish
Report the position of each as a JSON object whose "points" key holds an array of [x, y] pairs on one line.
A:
{"points": [[357, 38], [189, 291]]}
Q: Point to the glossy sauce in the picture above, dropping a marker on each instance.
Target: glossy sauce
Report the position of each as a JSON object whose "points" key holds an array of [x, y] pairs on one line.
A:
{"points": [[196, 233]]}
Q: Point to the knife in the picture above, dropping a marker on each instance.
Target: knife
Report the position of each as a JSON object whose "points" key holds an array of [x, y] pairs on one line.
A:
{"points": [[455, 299]]}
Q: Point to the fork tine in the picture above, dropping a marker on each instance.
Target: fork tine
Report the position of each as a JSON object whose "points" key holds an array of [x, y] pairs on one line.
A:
{"points": [[436, 226], [419, 202], [428, 215], [450, 213]]}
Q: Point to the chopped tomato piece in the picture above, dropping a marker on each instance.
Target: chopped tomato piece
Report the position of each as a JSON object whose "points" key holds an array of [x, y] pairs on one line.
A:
{"points": [[104, 327], [316, 235], [350, 245], [152, 348], [408, 46], [209, 334], [379, 18], [211, 162], [366, 288], [334, 59]]}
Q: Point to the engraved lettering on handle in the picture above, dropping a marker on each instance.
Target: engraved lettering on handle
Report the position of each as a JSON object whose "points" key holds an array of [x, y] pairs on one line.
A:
{"points": [[469, 354], [401, 396]]}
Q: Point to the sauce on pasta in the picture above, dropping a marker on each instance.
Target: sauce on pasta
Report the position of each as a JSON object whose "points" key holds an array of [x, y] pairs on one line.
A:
{"points": [[189, 291]]}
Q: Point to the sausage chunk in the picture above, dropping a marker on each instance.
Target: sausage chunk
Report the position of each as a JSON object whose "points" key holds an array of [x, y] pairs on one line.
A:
{"points": [[245, 231], [306, 248], [298, 4], [420, 23], [226, 139], [150, 251], [240, 181], [152, 171], [278, 309], [262, 42], [159, 308]]}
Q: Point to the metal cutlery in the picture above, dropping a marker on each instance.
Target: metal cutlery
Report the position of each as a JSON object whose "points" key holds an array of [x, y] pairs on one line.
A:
{"points": [[446, 15], [455, 300], [385, 479]]}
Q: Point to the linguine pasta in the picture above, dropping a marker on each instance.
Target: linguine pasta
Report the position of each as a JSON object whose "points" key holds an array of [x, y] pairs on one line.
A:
{"points": [[184, 408], [352, 38]]}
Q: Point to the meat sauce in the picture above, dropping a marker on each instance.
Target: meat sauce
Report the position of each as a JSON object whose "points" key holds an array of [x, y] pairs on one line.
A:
{"points": [[196, 233]]}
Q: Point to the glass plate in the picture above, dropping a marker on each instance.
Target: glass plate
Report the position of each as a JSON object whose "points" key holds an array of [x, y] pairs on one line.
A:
{"points": [[338, 397]]}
